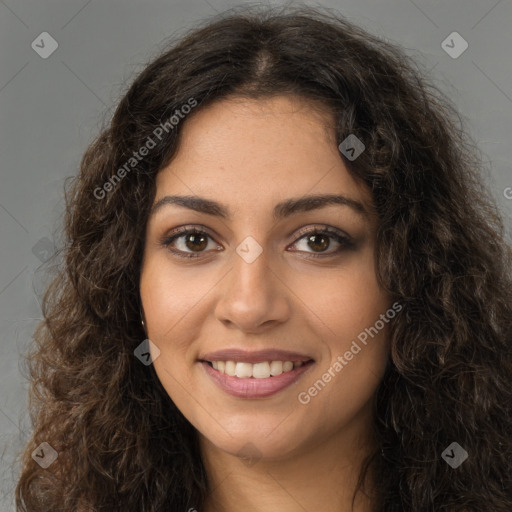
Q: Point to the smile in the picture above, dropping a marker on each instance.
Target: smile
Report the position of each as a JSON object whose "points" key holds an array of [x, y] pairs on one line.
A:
{"points": [[255, 380], [261, 370]]}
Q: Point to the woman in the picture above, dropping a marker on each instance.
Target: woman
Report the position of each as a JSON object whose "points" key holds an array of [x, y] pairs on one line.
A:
{"points": [[285, 288]]}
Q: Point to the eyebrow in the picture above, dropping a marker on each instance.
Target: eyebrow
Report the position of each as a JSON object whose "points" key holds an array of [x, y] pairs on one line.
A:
{"points": [[281, 210]]}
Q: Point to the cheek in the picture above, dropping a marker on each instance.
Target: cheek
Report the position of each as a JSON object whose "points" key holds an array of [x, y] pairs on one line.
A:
{"points": [[348, 314], [348, 300], [167, 300], [168, 297]]}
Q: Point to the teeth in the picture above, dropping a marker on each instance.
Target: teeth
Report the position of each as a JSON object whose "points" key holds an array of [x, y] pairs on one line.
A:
{"points": [[261, 370], [276, 368], [243, 370], [230, 368], [287, 366]]}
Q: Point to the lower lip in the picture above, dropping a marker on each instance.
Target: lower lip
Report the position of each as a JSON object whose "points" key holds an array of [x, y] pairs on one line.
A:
{"points": [[255, 388]]}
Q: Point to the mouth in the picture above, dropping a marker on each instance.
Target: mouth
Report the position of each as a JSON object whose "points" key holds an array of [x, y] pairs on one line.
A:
{"points": [[255, 380], [259, 370]]}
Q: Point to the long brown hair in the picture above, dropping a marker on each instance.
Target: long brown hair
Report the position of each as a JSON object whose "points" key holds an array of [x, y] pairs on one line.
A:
{"points": [[122, 444]]}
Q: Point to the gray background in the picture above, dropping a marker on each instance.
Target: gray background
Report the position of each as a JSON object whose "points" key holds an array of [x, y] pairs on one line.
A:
{"points": [[51, 109]]}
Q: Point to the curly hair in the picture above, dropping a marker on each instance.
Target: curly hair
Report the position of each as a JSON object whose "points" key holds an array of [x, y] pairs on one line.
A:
{"points": [[122, 443]]}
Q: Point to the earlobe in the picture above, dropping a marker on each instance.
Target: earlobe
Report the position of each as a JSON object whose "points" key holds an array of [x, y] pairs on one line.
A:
{"points": [[142, 321]]}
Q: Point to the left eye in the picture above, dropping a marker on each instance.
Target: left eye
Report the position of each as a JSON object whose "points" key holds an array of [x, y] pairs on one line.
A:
{"points": [[197, 241], [321, 240]]}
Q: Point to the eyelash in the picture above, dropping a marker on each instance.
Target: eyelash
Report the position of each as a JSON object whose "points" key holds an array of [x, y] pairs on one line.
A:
{"points": [[344, 240]]}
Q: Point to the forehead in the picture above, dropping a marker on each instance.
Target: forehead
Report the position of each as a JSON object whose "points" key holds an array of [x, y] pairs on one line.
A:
{"points": [[258, 151], [250, 125]]}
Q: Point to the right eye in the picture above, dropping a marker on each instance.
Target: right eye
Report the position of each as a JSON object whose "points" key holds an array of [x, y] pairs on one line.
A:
{"points": [[193, 238]]}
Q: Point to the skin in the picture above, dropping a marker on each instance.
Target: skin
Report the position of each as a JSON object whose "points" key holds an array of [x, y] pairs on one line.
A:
{"points": [[250, 155]]}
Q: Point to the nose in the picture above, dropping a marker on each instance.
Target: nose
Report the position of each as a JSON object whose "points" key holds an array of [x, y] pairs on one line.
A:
{"points": [[252, 296]]}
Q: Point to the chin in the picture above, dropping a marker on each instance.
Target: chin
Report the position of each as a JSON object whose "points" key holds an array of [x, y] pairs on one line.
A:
{"points": [[255, 442]]}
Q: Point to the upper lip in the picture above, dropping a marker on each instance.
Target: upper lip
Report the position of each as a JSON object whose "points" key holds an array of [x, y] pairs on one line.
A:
{"points": [[254, 357]]}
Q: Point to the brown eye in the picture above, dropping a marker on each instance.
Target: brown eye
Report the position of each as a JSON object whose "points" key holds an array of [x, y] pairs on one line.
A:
{"points": [[318, 242], [190, 242], [196, 241]]}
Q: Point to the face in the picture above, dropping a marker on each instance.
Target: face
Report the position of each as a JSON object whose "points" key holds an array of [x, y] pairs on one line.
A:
{"points": [[268, 276]]}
